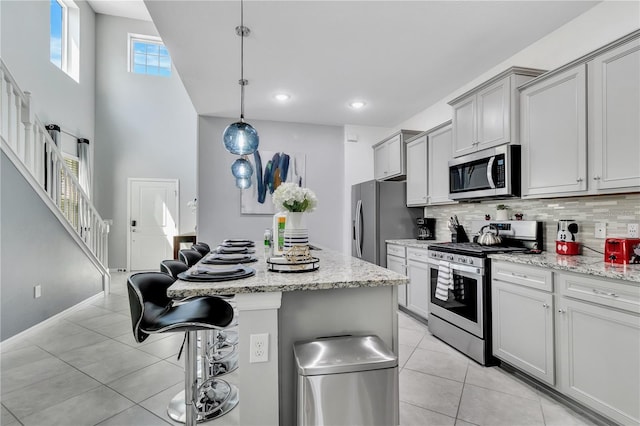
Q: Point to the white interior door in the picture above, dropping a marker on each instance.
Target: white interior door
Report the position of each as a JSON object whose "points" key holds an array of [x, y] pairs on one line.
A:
{"points": [[153, 222]]}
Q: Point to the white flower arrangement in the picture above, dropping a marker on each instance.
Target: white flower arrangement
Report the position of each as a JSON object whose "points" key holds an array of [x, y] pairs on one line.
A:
{"points": [[291, 197]]}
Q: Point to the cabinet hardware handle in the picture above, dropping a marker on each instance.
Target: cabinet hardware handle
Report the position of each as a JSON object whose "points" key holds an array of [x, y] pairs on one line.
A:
{"points": [[544, 305], [596, 178], [604, 293], [579, 180], [561, 311], [518, 275]]}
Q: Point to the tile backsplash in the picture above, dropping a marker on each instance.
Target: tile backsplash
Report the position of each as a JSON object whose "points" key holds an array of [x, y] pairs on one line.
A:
{"points": [[616, 210]]}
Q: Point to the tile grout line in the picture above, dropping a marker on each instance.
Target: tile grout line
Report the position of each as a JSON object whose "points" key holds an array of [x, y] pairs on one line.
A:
{"points": [[464, 383]]}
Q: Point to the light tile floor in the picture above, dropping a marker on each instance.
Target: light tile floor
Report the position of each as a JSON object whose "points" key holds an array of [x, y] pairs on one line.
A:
{"points": [[86, 369]]}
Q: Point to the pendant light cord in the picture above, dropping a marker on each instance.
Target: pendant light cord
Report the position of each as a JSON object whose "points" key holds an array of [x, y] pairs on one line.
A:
{"points": [[242, 80]]}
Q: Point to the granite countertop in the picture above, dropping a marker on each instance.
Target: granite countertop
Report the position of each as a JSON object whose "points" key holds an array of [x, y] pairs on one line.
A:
{"points": [[423, 244], [337, 270], [589, 265]]}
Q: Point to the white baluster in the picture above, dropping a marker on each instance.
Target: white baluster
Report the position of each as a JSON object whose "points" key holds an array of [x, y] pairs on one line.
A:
{"points": [[2, 108], [10, 139], [18, 123]]}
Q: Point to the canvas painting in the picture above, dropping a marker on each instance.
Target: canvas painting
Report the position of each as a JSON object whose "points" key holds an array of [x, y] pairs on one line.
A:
{"points": [[270, 169]]}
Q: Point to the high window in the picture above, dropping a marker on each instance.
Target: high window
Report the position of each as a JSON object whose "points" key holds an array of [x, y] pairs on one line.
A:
{"points": [[147, 55], [64, 37]]}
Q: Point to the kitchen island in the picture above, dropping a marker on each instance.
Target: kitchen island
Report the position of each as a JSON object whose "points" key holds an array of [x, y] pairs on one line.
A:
{"points": [[344, 296]]}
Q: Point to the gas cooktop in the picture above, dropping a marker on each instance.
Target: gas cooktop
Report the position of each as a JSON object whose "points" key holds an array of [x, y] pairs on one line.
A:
{"points": [[475, 249]]}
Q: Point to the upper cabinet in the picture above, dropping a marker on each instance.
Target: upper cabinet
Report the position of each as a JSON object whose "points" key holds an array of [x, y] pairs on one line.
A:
{"points": [[581, 125], [487, 115], [389, 156], [428, 155]]}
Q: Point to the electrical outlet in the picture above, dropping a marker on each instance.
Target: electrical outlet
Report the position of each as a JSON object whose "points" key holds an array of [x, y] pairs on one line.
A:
{"points": [[601, 230], [37, 291], [632, 230], [259, 344]]}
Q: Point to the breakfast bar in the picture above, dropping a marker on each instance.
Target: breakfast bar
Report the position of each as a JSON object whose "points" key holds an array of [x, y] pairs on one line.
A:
{"points": [[345, 296]]}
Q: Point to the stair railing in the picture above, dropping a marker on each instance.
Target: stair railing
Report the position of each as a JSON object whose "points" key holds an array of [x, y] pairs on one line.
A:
{"points": [[30, 143]]}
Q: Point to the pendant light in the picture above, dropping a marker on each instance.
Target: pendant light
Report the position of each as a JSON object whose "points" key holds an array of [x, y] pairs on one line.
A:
{"points": [[240, 138]]}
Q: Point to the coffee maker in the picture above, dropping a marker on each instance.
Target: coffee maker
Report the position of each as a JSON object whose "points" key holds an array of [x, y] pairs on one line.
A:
{"points": [[426, 228]]}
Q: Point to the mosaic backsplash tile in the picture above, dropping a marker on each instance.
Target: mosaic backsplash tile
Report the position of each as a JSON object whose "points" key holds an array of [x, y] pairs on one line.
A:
{"points": [[616, 210]]}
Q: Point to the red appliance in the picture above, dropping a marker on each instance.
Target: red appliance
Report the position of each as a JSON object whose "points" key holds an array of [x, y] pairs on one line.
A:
{"points": [[622, 250], [567, 247]]}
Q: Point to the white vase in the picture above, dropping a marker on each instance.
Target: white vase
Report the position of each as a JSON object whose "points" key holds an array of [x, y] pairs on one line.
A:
{"points": [[502, 215], [295, 230]]}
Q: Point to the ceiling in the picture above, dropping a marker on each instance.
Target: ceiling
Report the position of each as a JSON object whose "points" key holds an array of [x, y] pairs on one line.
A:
{"points": [[400, 57]]}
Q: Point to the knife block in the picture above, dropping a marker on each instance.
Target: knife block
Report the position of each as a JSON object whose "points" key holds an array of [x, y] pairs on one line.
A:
{"points": [[459, 235]]}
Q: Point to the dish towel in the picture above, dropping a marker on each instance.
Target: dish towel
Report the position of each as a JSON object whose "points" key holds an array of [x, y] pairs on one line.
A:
{"points": [[445, 281]]}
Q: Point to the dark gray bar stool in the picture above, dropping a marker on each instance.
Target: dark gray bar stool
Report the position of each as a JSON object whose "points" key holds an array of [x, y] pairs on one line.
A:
{"points": [[153, 312], [189, 256]]}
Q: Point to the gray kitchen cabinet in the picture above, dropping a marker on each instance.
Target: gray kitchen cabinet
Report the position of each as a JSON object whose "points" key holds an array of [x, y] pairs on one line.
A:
{"points": [[554, 139], [389, 156], [567, 118], [598, 326], [614, 118], [487, 115], [417, 170], [440, 151], [396, 262], [418, 272], [522, 319]]}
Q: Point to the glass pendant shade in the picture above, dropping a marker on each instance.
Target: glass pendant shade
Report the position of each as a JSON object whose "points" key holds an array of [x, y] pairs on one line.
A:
{"points": [[243, 183], [241, 169], [240, 138]]}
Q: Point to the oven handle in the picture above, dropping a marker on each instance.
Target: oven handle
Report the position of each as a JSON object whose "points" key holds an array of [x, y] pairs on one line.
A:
{"points": [[462, 268]]}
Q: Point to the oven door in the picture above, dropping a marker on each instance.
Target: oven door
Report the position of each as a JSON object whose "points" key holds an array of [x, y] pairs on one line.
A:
{"points": [[463, 306]]}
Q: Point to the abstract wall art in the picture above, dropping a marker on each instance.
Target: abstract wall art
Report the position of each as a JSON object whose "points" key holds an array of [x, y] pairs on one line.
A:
{"points": [[270, 170]]}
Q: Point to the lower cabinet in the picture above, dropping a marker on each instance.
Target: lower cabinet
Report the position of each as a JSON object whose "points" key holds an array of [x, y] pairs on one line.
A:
{"points": [[575, 332], [522, 322], [396, 264], [418, 272]]}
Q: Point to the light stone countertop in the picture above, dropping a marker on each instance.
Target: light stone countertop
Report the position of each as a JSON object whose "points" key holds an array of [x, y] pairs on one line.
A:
{"points": [[580, 264], [337, 270], [422, 244]]}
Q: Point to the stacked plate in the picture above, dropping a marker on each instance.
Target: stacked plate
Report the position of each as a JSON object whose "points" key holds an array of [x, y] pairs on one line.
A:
{"points": [[204, 273], [296, 237], [233, 250], [228, 258], [237, 243]]}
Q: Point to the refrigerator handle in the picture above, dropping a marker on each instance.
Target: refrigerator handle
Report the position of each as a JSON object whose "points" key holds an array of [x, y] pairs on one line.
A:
{"points": [[358, 229]]}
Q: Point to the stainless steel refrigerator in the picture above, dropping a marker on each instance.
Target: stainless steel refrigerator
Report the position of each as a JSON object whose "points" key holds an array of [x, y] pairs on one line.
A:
{"points": [[379, 212]]}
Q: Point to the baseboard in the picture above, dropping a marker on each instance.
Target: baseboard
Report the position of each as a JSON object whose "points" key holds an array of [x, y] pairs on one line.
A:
{"points": [[49, 320]]}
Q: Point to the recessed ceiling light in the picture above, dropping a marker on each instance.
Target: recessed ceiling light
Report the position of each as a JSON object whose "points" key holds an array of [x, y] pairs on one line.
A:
{"points": [[282, 97], [357, 104]]}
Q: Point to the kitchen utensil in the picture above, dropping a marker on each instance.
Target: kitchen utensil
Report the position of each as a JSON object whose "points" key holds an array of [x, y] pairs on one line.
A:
{"points": [[489, 236]]}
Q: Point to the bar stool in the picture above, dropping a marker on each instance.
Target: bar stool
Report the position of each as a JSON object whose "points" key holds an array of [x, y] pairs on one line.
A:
{"points": [[173, 267], [153, 312], [201, 248], [189, 256]]}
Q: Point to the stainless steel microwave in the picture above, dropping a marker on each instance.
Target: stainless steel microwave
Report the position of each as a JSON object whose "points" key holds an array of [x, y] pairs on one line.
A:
{"points": [[490, 173]]}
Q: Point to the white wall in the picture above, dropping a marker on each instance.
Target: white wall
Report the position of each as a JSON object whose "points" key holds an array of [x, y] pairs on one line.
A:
{"points": [[25, 49], [219, 200], [359, 168], [145, 127]]}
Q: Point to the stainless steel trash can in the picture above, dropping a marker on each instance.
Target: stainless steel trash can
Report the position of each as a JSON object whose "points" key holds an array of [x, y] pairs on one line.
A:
{"points": [[347, 380]]}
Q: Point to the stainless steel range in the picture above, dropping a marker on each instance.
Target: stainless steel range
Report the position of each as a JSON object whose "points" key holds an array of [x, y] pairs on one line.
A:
{"points": [[460, 285]]}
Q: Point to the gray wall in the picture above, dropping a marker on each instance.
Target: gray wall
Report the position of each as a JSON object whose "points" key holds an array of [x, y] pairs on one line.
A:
{"points": [[219, 200], [145, 127], [36, 249], [25, 49]]}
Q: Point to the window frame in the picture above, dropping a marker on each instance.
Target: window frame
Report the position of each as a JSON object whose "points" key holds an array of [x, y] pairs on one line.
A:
{"points": [[69, 39], [146, 39]]}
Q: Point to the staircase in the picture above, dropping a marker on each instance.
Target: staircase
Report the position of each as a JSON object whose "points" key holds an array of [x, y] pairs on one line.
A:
{"points": [[28, 145]]}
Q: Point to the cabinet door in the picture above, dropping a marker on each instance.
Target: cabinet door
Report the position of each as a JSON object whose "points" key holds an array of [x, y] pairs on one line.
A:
{"points": [[418, 288], [440, 152], [522, 322], [599, 349], [614, 111], [494, 126], [554, 145], [381, 161], [396, 264], [464, 127], [417, 172], [395, 157]]}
